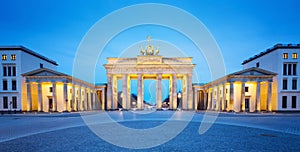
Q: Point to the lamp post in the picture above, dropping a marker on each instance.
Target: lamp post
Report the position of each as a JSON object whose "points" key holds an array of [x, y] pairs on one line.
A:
{"points": [[10, 103], [121, 96], [66, 105], [179, 95]]}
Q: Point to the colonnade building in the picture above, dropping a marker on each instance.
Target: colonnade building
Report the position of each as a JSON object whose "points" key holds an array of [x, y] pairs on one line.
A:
{"points": [[268, 82]]}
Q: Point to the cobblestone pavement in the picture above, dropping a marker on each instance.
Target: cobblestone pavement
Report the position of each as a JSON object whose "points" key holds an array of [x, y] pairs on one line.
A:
{"points": [[230, 132]]}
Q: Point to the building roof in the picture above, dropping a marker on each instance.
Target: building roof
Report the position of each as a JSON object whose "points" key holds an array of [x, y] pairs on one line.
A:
{"points": [[275, 47], [48, 73], [24, 49], [250, 73]]}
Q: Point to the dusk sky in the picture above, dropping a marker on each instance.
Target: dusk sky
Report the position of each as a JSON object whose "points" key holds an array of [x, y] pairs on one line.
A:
{"points": [[241, 28]]}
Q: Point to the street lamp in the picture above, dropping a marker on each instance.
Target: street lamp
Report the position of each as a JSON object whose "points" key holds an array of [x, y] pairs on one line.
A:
{"points": [[66, 105], [179, 95]]}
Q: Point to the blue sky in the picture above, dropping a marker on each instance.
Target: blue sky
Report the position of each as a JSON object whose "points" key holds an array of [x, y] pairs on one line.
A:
{"points": [[242, 28]]}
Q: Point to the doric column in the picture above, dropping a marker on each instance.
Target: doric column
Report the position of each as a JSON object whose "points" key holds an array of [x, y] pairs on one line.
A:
{"points": [[258, 96], [124, 91], [29, 100], [140, 98], [109, 93], [65, 90], [269, 97], [93, 101], [224, 97], [218, 99], [73, 101], [190, 91], [205, 99], [54, 99], [243, 96], [40, 97], [102, 100], [85, 103], [184, 93], [231, 96], [79, 103], [195, 100], [174, 92], [159, 91], [115, 92], [209, 105], [89, 99]]}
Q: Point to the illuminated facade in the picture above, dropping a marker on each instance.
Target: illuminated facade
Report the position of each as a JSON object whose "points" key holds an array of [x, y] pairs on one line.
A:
{"points": [[283, 60], [269, 82], [16, 60], [249, 90]]}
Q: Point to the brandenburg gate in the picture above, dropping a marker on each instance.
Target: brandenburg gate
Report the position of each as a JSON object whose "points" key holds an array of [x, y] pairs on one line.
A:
{"points": [[149, 65]]}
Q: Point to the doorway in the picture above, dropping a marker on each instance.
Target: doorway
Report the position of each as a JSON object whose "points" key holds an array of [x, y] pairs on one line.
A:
{"points": [[247, 100], [50, 105]]}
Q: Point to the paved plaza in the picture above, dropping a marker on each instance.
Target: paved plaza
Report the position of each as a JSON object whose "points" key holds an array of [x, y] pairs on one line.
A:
{"points": [[230, 131]]}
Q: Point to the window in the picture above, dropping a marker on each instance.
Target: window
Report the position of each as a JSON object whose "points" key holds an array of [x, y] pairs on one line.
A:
{"points": [[5, 102], [284, 104], [14, 85], [14, 102], [9, 71], [290, 69], [285, 56], [226, 90], [294, 69], [246, 89], [284, 84], [13, 57], [4, 56], [284, 69], [50, 89], [70, 90], [294, 99], [14, 71], [295, 55], [4, 84], [257, 64], [41, 65], [4, 71], [294, 84]]}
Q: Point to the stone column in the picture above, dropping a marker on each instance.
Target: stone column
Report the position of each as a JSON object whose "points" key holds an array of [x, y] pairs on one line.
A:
{"points": [[54, 99], [109, 93], [269, 97], [231, 96], [65, 90], [128, 103], [124, 91], [184, 93], [40, 97], [174, 92], [29, 100], [224, 97], [73, 103], [79, 103], [140, 98], [90, 99], [103, 99], [205, 99], [190, 91], [218, 98], [195, 92], [243, 96], [86, 95], [209, 104], [115, 92], [159, 91], [258, 96]]}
